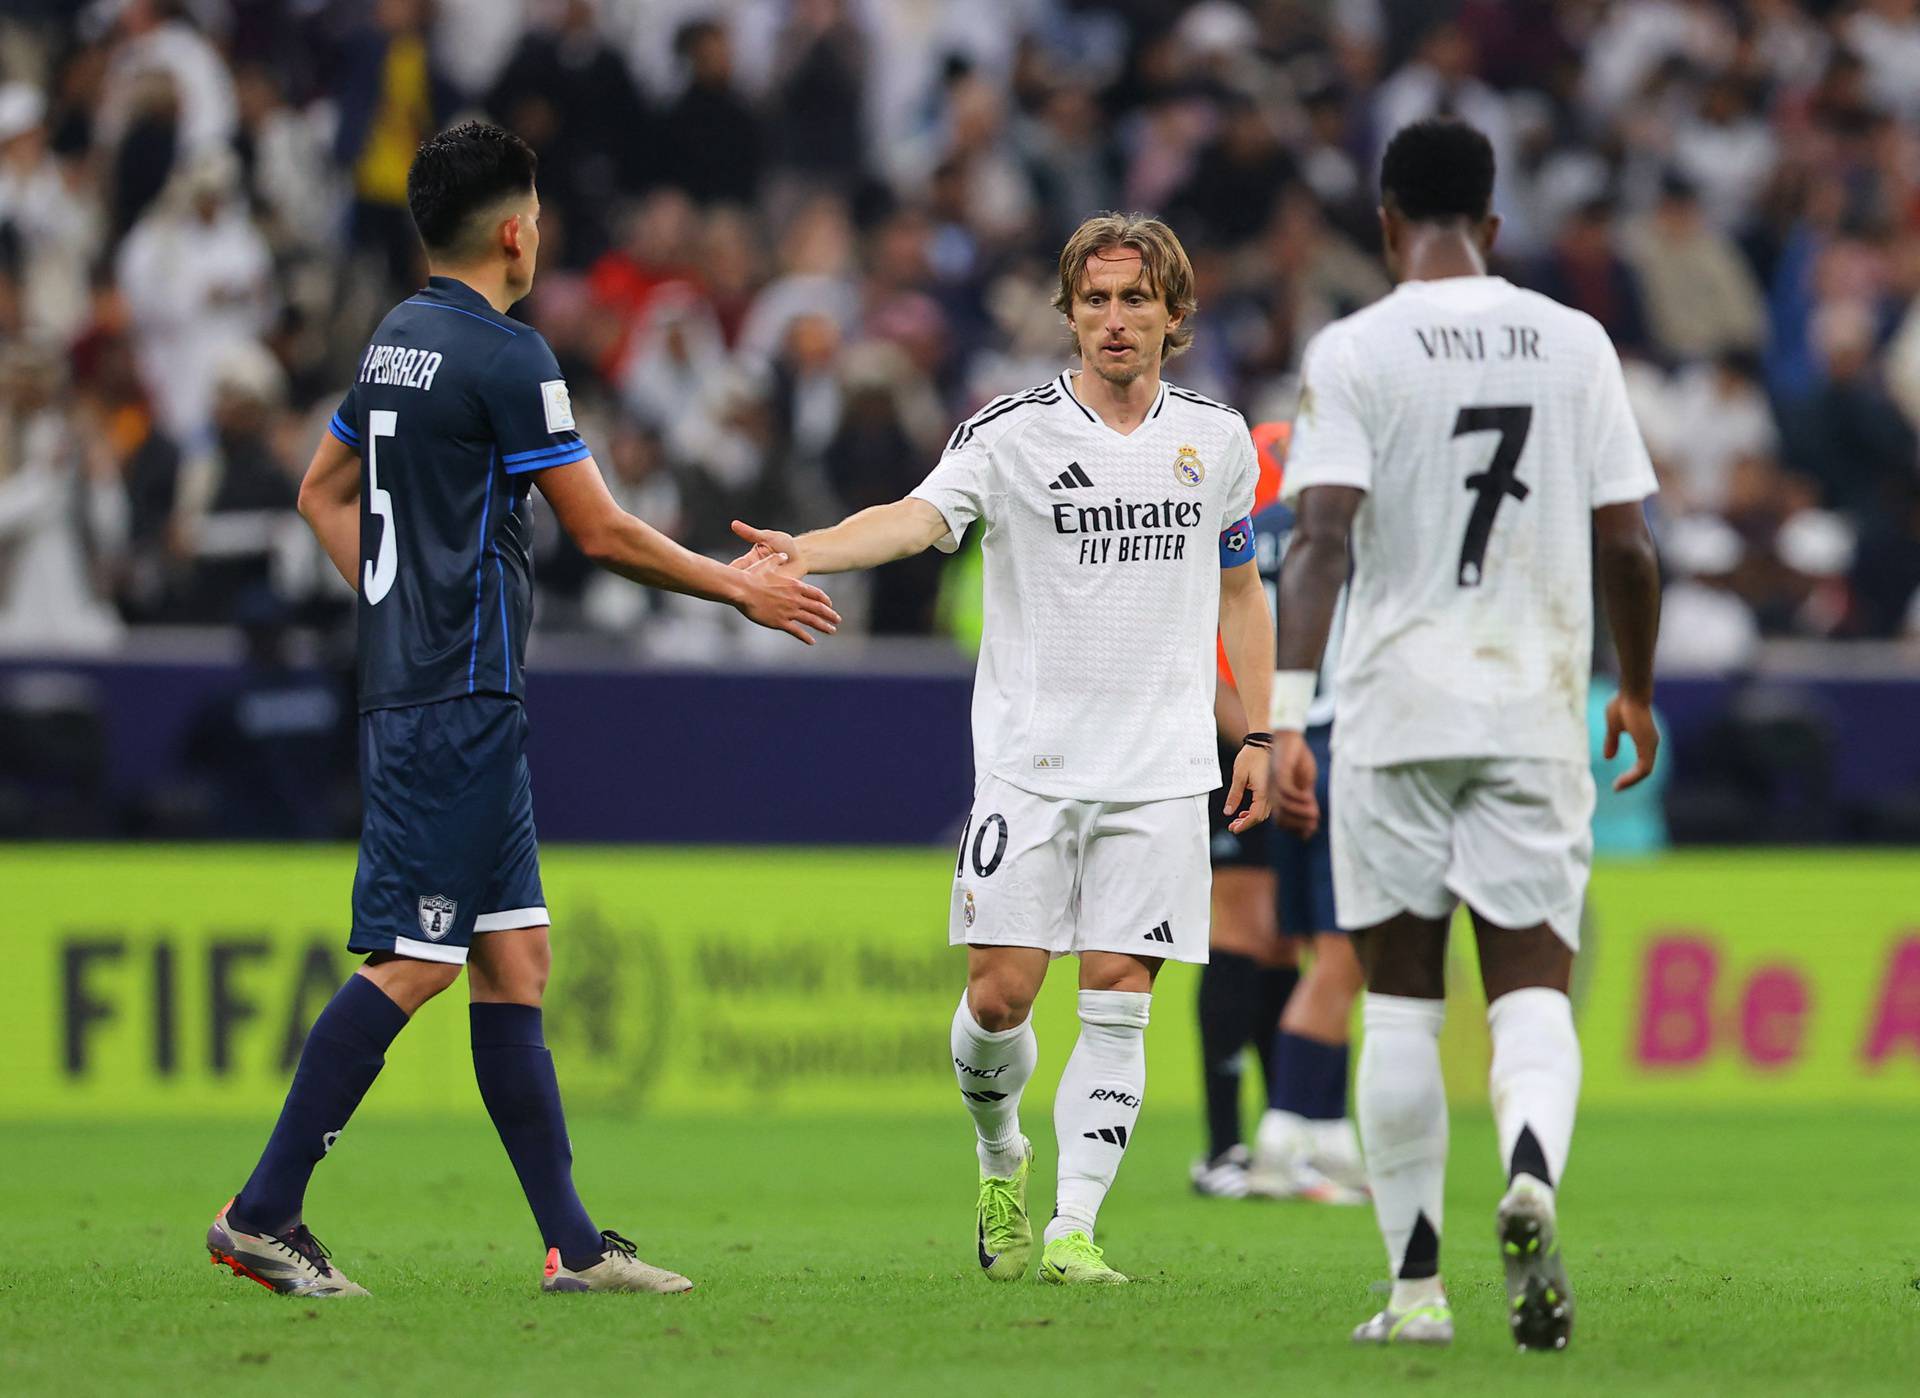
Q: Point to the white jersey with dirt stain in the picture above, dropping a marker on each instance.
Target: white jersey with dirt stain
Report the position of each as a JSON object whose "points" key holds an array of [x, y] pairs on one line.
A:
{"points": [[1486, 423]]}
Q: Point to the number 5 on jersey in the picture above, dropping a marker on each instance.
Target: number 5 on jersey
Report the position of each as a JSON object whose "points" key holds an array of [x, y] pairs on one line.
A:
{"points": [[377, 580]]}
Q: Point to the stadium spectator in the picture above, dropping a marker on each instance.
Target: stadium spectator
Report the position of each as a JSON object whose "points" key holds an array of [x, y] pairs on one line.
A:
{"points": [[391, 98], [1886, 36], [159, 38], [141, 467], [1850, 435], [50, 599], [1701, 295], [817, 94], [1237, 178], [776, 231], [195, 274], [1728, 420], [232, 515], [284, 166], [1726, 151], [48, 226], [1583, 270], [711, 139], [656, 248], [572, 98]]}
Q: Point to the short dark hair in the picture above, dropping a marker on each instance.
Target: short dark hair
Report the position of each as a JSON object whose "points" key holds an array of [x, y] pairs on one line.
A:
{"points": [[1438, 170], [462, 172]]}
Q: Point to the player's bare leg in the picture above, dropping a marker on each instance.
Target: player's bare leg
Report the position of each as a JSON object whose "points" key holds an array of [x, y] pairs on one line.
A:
{"points": [[1250, 972], [1403, 1120], [1096, 1108], [1306, 1146], [507, 976], [993, 1051], [1534, 1083], [260, 1233]]}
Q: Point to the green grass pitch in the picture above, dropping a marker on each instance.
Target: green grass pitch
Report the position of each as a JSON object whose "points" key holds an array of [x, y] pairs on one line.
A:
{"points": [[1713, 1253]]}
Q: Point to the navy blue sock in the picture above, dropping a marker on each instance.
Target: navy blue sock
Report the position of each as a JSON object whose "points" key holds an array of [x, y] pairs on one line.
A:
{"points": [[1309, 1078], [344, 1053], [1229, 1003], [515, 1073], [1277, 985]]}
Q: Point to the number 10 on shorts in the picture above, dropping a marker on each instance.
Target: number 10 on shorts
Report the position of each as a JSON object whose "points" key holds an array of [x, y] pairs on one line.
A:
{"points": [[988, 847]]}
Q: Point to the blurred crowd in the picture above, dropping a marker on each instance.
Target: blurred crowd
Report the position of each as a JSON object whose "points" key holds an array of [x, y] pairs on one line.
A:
{"points": [[786, 243]]}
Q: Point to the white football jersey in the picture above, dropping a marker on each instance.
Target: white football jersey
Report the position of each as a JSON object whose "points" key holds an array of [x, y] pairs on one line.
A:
{"points": [[1102, 555], [1486, 423]]}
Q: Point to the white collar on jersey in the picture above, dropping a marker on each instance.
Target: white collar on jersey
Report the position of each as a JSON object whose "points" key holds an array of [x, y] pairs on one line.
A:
{"points": [[1066, 392]]}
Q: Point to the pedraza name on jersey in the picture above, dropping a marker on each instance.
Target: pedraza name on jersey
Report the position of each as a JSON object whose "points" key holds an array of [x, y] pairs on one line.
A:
{"points": [[1129, 531], [1470, 342], [400, 367]]}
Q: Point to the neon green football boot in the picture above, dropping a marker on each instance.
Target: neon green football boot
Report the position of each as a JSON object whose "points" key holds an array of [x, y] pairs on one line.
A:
{"points": [[1004, 1232], [1075, 1261]]}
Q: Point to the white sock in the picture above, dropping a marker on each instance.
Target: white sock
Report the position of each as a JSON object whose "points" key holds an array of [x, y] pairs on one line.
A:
{"points": [[1535, 1078], [1098, 1103], [1285, 1138], [993, 1068], [1402, 1102], [1334, 1139]]}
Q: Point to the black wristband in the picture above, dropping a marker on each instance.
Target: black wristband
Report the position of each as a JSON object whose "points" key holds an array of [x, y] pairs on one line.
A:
{"points": [[1257, 740]]}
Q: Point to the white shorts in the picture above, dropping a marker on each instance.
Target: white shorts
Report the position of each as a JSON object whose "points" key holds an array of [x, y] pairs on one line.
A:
{"points": [[1510, 837], [1075, 876]]}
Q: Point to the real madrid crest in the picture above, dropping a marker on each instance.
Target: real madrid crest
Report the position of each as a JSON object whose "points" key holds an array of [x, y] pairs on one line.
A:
{"points": [[967, 910], [1187, 467]]}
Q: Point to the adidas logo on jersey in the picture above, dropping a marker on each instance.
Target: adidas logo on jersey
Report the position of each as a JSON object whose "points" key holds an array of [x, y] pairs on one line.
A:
{"points": [[1073, 478], [1162, 933], [1112, 1135]]}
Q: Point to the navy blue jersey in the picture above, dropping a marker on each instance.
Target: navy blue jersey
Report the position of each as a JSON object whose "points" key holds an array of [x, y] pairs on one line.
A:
{"points": [[454, 408]]}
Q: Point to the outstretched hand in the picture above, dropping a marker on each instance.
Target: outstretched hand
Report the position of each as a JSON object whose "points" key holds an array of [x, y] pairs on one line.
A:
{"points": [[779, 601], [770, 544]]}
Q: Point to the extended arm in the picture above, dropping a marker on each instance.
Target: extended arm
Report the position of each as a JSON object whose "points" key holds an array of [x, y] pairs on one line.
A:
{"points": [[1629, 572], [330, 503], [1311, 577], [874, 536], [1310, 581], [623, 544], [1229, 716]]}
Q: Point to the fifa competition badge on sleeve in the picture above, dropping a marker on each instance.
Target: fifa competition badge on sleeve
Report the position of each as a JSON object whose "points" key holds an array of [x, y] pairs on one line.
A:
{"points": [[553, 393]]}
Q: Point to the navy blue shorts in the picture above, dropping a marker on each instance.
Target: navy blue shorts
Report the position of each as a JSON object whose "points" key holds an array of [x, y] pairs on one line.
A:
{"points": [[1305, 867], [447, 845]]}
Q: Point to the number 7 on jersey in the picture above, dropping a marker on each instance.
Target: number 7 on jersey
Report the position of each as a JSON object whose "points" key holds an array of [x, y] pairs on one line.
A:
{"points": [[1494, 484]]}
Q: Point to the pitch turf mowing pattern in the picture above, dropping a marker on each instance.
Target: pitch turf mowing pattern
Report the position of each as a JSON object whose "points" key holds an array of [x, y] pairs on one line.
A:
{"points": [[1712, 1254]]}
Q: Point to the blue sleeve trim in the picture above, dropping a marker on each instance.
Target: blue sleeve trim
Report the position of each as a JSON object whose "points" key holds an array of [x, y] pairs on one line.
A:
{"points": [[521, 462], [1236, 544], [513, 458], [345, 433]]}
